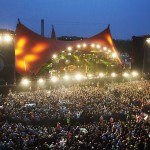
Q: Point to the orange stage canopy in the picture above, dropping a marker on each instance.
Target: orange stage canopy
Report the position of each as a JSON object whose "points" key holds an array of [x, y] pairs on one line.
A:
{"points": [[32, 50]]}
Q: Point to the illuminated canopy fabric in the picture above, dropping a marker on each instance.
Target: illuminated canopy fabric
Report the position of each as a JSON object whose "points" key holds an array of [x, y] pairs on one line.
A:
{"points": [[32, 50]]}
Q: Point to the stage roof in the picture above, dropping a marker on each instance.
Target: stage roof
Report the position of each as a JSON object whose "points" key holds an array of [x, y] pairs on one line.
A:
{"points": [[32, 50]]}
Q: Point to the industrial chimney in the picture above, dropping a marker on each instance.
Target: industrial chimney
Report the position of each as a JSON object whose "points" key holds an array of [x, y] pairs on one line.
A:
{"points": [[42, 27], [53, 35]]}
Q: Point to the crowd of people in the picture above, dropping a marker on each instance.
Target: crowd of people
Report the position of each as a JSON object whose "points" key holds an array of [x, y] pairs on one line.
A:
{"points": [[84, 116]]}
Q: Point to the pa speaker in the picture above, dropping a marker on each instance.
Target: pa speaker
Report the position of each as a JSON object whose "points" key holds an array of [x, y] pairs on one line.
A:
{"points": [[141, 53], [7, 58]]}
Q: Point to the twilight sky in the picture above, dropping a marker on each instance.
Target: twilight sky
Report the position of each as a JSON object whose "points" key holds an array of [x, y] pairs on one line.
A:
{"points": [[79, 17]]}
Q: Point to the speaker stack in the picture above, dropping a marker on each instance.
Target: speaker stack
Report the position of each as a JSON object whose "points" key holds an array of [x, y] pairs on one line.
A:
{"points": [[7, 58]]}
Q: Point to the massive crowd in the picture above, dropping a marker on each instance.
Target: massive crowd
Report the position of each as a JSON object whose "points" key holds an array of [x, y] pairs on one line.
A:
{"points": [[84, 116]]}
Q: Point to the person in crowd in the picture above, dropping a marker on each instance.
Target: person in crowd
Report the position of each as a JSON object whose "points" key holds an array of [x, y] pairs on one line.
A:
{"points": [[81, 116]]}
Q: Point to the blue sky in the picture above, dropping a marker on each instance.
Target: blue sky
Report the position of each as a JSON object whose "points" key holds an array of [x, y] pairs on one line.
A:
{"points": [[79, 17]]}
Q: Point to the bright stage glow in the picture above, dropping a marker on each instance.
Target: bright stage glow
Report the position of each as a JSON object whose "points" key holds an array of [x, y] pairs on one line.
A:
{"points": [[54, 56], [84, 45], [109, 51], [148, 40], [66, 77], [0, 38], [54, 79], [98, 46], [104, 48], [41, 81], [7, 38], [114, 55], [101, 75], [69, 53], [90, 76], [113, 74], [78, 46], [25, 82], [69, 48], [134, 74], [92, 45], [78, 76], [125, 74]]}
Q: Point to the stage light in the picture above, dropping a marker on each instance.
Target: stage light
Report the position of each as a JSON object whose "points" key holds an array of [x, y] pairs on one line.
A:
{"points": [[69, 53], [54, 79], [66, 77], [90, 76], [41, 81], [101, 75], [25, 82], [78, 76], [113, 74], [69, 48], [54, 56], [92, 45], [134, 74], [148, 40], [84, 45], [109, 51], [104, 48], [63, 51], [114, 55], [7, 38], [125, 74], [98, 46], [78, 46], [0, 38]]}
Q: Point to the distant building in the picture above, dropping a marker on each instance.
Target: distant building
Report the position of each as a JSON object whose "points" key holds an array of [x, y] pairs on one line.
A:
{"points": [[70, 38]]}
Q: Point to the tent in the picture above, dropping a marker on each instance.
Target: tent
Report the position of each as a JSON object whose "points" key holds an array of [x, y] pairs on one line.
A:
{"points": [[32, 50]]}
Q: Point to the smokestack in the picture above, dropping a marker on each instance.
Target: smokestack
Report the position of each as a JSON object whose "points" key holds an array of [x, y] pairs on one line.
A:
{"points": [[53, 35], [42, 27]]}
